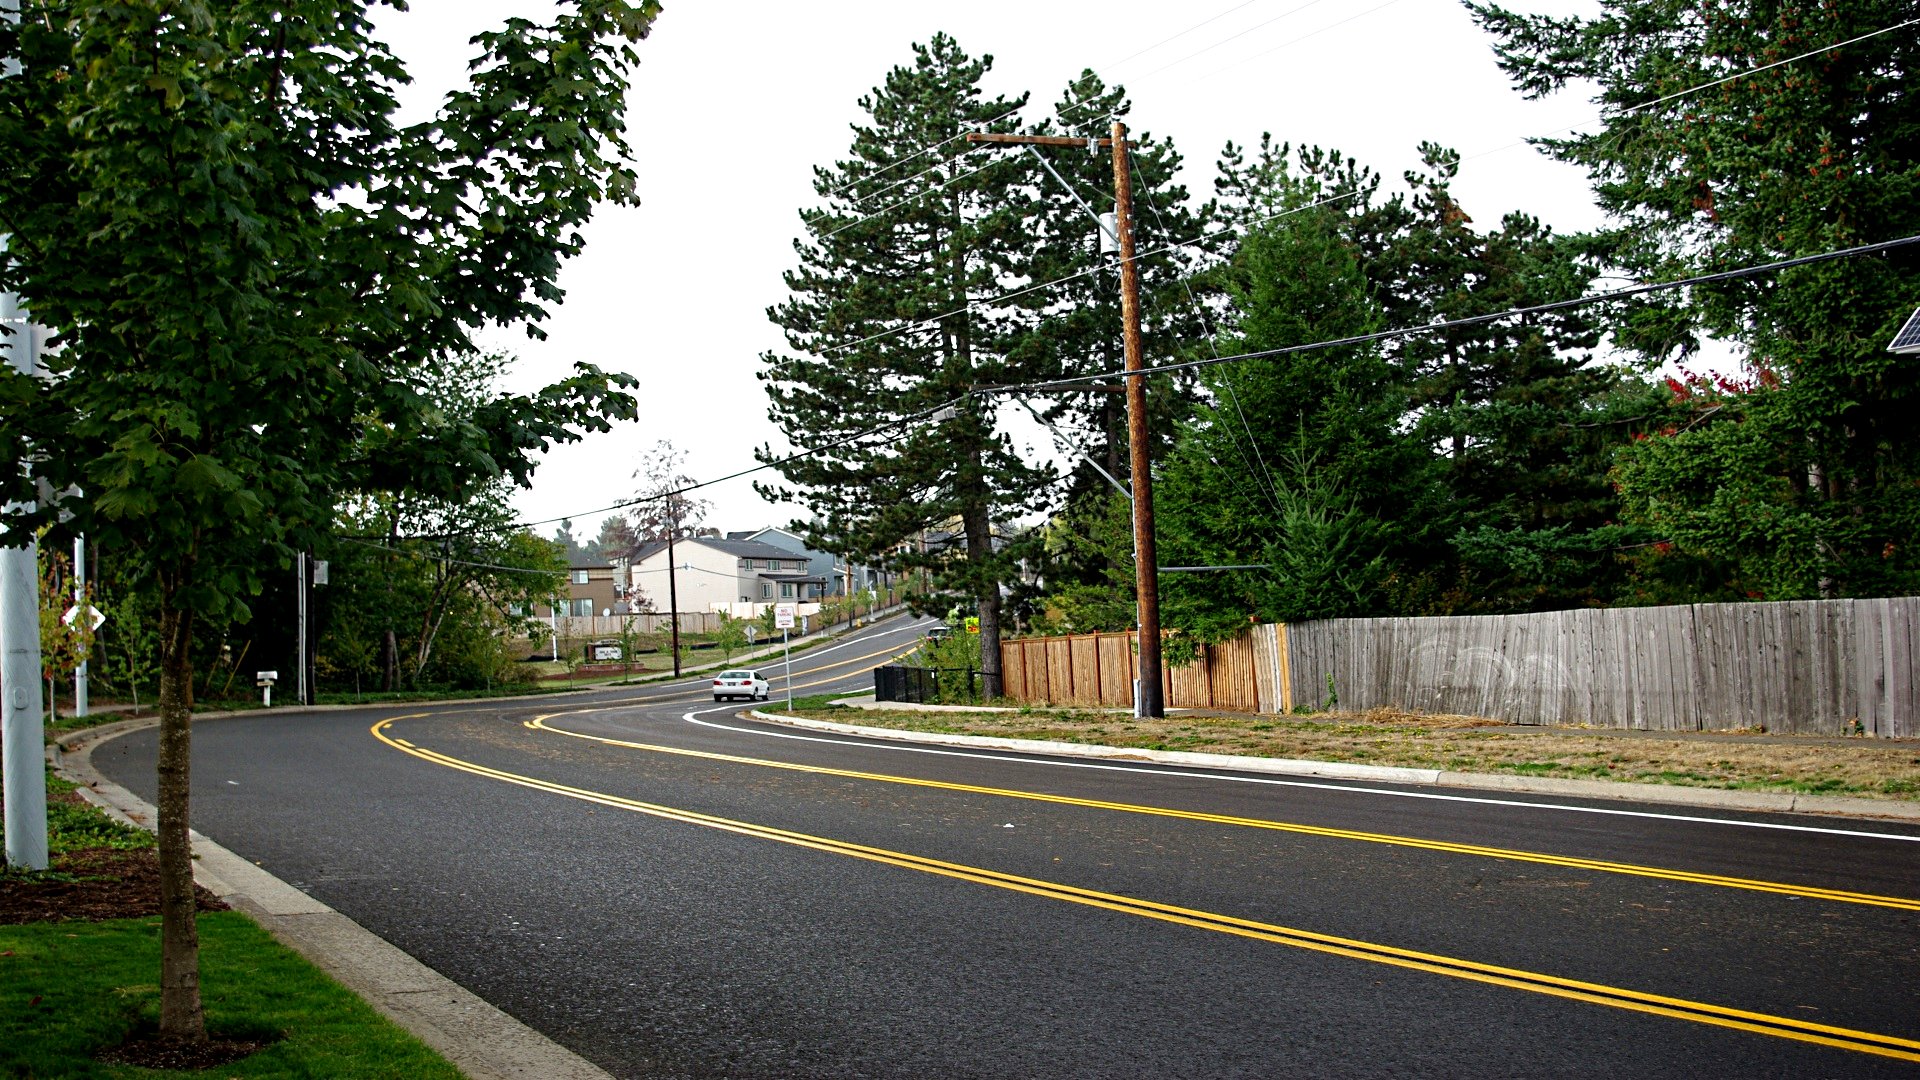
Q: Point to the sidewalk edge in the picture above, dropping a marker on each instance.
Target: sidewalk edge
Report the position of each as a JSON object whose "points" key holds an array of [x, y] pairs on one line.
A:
{"points": [[479, 1039]]}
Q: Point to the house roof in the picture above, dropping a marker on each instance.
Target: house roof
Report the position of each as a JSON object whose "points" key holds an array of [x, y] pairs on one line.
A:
{"points": [[739, 549]]}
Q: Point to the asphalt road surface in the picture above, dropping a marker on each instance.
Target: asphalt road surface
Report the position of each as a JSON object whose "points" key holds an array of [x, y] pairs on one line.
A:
{"points": [[673, 890]]}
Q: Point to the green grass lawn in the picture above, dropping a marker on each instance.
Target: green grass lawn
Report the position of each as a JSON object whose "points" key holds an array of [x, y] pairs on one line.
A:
{"points": [[69, 990]]}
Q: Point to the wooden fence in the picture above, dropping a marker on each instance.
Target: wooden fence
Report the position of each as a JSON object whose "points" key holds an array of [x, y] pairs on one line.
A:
{"points": [[1814, 667], [1824, 667], [1097, 670]]}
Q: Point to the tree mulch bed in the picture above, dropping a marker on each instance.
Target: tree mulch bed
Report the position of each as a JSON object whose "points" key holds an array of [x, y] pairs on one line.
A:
{"points": [[90, 884], [155, 1052]]}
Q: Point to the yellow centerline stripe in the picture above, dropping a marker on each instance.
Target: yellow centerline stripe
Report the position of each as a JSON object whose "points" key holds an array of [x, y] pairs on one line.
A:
{"points": [[1450, 847], [1595, 993], [893, 652]]}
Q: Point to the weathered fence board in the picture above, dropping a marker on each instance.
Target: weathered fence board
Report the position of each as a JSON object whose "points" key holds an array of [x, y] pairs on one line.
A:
{"points": [[1813, 666]]}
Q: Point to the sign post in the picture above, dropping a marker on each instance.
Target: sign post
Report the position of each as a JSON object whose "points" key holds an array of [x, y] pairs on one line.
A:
{"points": [[783, 621]]}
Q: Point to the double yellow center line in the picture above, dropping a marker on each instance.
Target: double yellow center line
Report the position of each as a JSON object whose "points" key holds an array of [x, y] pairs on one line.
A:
{"points": [[1785, 1027], [539, 723]]}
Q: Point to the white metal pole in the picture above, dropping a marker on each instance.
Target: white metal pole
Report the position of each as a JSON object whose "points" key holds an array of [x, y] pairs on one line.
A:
{"points": [[787, 645], [22, 732], [22, 735], [80, 614]]}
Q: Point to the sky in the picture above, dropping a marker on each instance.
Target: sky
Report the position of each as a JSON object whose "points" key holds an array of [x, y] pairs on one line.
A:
{"points": [[734, 103]]}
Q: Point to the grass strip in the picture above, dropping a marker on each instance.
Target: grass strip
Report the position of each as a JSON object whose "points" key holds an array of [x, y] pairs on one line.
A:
{"points": [[1863, 768], [69, 990]]}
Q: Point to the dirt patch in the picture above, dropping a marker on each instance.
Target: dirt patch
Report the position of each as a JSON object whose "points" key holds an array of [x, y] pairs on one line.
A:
{"points": [[90, 884], [153, 1052], [1886, 769]]}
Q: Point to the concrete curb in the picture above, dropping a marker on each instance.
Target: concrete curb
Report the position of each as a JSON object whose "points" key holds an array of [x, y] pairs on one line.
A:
{"points": [[1714, 798], [480, 1040]]}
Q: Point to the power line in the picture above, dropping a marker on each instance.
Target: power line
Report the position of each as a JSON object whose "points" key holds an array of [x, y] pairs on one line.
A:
{"points": [[1268, 487], [1628, 111], [1232, 37], [1475, 320], [1384, 335], [977, 305]]}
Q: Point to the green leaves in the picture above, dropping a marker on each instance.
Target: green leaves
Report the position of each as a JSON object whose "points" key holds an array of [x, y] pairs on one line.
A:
{"points": [[253, 273]]}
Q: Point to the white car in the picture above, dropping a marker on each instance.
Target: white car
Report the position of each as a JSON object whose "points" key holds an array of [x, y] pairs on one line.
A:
{"points": [[739, 684]]}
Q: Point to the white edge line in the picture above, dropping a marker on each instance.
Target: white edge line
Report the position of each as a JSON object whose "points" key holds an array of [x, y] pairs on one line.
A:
{"points": [[1010, 757]]}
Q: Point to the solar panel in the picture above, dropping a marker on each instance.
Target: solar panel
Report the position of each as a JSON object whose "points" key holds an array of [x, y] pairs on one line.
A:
{"points": [[1908, 339]]}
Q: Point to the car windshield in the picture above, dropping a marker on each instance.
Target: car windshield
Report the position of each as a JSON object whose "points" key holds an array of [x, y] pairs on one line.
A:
{"points": [[736, 674]]}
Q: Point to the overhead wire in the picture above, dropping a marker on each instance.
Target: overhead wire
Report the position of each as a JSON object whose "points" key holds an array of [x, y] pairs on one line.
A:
{"points": [[1475, 320], [1231, 227], [1268, 486]]}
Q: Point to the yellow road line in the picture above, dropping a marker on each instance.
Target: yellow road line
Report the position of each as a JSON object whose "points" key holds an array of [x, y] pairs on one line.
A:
{"points": [[1785, 1027], [891, 652], [1511, 854]]}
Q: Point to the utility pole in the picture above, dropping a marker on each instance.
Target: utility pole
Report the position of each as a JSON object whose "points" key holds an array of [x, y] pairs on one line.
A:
{"points": [[673, 586], [1148, 700]]}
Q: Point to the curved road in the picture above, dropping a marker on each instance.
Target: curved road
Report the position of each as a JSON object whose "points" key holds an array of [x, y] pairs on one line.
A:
{"points": [[671, 889]]}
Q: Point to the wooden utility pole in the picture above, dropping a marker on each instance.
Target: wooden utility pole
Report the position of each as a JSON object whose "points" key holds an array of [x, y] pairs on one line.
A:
{"points": [[673, 585], [1148, 700]]}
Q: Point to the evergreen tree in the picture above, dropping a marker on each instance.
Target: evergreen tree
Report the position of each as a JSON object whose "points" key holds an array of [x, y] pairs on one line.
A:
{"points": [[891, 317], [1520, 416], [1805, 476], [1296, 461]]}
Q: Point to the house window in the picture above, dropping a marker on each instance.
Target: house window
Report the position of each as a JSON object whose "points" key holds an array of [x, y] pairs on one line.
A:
{"points": [[581, 607], [580, 577], [746, 564], [766, 590], [786, 590]]}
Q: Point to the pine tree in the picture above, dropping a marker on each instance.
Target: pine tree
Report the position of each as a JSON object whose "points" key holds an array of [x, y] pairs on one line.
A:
{"points": [[1297, 461], [892, 316], [1517, 412]]}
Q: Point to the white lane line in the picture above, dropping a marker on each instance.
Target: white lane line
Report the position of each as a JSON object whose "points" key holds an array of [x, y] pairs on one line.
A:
{"points": [[1013, 758]]}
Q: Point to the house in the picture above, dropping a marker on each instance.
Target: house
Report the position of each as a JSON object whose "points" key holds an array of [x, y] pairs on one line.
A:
{"points": [[716, 573], [593, 588], [830, 568]]}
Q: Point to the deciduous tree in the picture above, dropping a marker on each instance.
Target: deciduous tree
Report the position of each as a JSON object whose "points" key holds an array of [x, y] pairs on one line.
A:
{"points": [[251, 271]]}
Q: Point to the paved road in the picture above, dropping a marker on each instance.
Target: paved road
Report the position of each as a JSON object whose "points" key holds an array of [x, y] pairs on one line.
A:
{"points": [[672, 890]]}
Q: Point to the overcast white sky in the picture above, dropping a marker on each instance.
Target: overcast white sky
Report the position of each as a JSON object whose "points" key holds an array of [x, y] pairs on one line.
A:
{"points": [[733, 104]]}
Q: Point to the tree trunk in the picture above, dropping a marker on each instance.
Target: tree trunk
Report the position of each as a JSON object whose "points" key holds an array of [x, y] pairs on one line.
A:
{"points": [[979, 526], [390, 661], [180, 1011]]}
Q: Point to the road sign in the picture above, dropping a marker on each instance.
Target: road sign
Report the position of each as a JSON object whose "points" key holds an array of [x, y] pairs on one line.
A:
{"points": [[94, 616], [973, 624], [783, 616]]}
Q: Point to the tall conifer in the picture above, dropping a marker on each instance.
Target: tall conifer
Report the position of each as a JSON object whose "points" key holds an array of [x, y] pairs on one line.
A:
{"points": [[892, 315]]}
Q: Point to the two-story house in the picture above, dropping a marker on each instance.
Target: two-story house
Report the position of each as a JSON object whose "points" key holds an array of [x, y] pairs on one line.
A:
{"points": [[712, 574], [832, 569], [593, 588]]}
